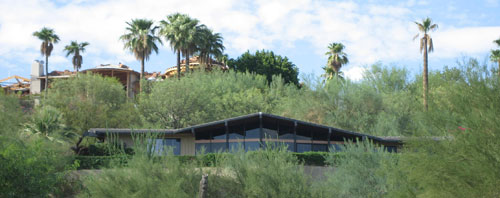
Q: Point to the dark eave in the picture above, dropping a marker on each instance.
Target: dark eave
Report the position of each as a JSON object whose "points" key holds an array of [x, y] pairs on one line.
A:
{"points": [[103, 131]]}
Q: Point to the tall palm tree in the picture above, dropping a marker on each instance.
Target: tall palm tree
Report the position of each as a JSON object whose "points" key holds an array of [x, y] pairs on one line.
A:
{"points": [[49, 38], [209, 44], [336, 57], [76, 48], [141, 38], [425, 46], [330, 74], [170, 30]]}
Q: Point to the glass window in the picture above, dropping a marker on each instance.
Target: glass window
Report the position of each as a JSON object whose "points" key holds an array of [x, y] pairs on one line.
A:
{"points": [[252, 146], [219, 133], [303, 133], [218, 147], [270, 129], [321, 135], [336, 147], [303, 148], [391, 149], [202, 146], [236, 146], [285, 131], [320, 147], [236, 132], [252, 131], [162, 146]]}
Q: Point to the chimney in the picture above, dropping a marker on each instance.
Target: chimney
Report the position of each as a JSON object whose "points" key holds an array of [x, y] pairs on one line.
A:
{"points": [[36, 72]]}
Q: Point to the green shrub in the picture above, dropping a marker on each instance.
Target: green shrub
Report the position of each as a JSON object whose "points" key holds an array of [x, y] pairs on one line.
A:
{"points": [[91, 101]]}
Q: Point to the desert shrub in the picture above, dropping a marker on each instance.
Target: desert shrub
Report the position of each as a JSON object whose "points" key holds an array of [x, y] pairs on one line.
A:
{"points": [[145, 176], [11, 115], [203, 97], [362, 171], [270, 172], [31, 168], [91, 101]]}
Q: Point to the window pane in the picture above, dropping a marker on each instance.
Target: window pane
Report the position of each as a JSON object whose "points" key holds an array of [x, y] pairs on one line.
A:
{"points": [[236, 132], [205, 146], [270, 129], [252, 146], [219, 133], [236, 146], [320, 147], [303, 148], [285, 131], [161, 146], [335, 147], [303, 133], [218, 147], [269, 134], [252, 130], [321, 135]]}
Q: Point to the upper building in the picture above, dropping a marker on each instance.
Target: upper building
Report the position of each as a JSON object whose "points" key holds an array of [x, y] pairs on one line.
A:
{"points": [[125, 75], [194, 63]]}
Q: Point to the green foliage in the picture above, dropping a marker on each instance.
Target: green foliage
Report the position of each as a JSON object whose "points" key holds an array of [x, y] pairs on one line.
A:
{"points": [[362, 171], [11, 116], [91, 101], [262, 173], [211, 96], [31, 168], [268, 64], [48, 122]]}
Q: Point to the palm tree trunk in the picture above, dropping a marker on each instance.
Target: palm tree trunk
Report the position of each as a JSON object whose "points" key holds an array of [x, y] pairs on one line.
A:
{"points": [[46, 75], [187, 61], [425, 74], [142, 73], [179, 64]]}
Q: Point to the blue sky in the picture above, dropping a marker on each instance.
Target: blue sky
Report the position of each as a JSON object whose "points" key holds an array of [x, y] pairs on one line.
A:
{"points": [[373, 31]]}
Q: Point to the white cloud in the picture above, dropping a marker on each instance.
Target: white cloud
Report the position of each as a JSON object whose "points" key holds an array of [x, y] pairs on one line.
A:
{"points": [[354, 73]]}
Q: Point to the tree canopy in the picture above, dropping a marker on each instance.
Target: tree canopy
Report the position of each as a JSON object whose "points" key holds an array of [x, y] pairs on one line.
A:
{"points": [[268, 64]]}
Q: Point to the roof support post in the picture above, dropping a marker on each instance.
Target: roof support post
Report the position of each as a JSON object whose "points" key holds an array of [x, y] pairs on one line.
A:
{"points": [[227, 135], [329, 136], [294, 136], [260, 130]]}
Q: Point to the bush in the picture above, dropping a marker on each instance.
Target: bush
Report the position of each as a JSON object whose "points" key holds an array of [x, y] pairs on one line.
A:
{"points": [[33, 168], [91, 101]]}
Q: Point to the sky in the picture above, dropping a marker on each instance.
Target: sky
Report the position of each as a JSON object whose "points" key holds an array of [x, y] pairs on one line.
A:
{"points": [[372, 31]]}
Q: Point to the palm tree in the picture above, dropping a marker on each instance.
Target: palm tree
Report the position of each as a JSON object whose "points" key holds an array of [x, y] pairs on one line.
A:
{"points": [[141, 39], [180, 30], [209, 44], [330, 74], [170, 29], [426, 46], [336, 57], [49, 38], [76, 48]]}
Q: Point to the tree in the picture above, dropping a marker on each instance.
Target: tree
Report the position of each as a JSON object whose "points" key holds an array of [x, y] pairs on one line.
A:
{"points": [[336, 57], [179, 30], [268, 64], [330, 73], [141, 39], [209, 44], [495, 55], [425, 46], [49, 38], [76, 48]]}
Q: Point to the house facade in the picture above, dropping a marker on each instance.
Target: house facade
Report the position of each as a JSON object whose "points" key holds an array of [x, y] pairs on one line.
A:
{"points": [[249, 132]]}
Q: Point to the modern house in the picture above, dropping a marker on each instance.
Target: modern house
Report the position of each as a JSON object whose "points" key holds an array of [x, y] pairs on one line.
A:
{"points": [[249, 132]]}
